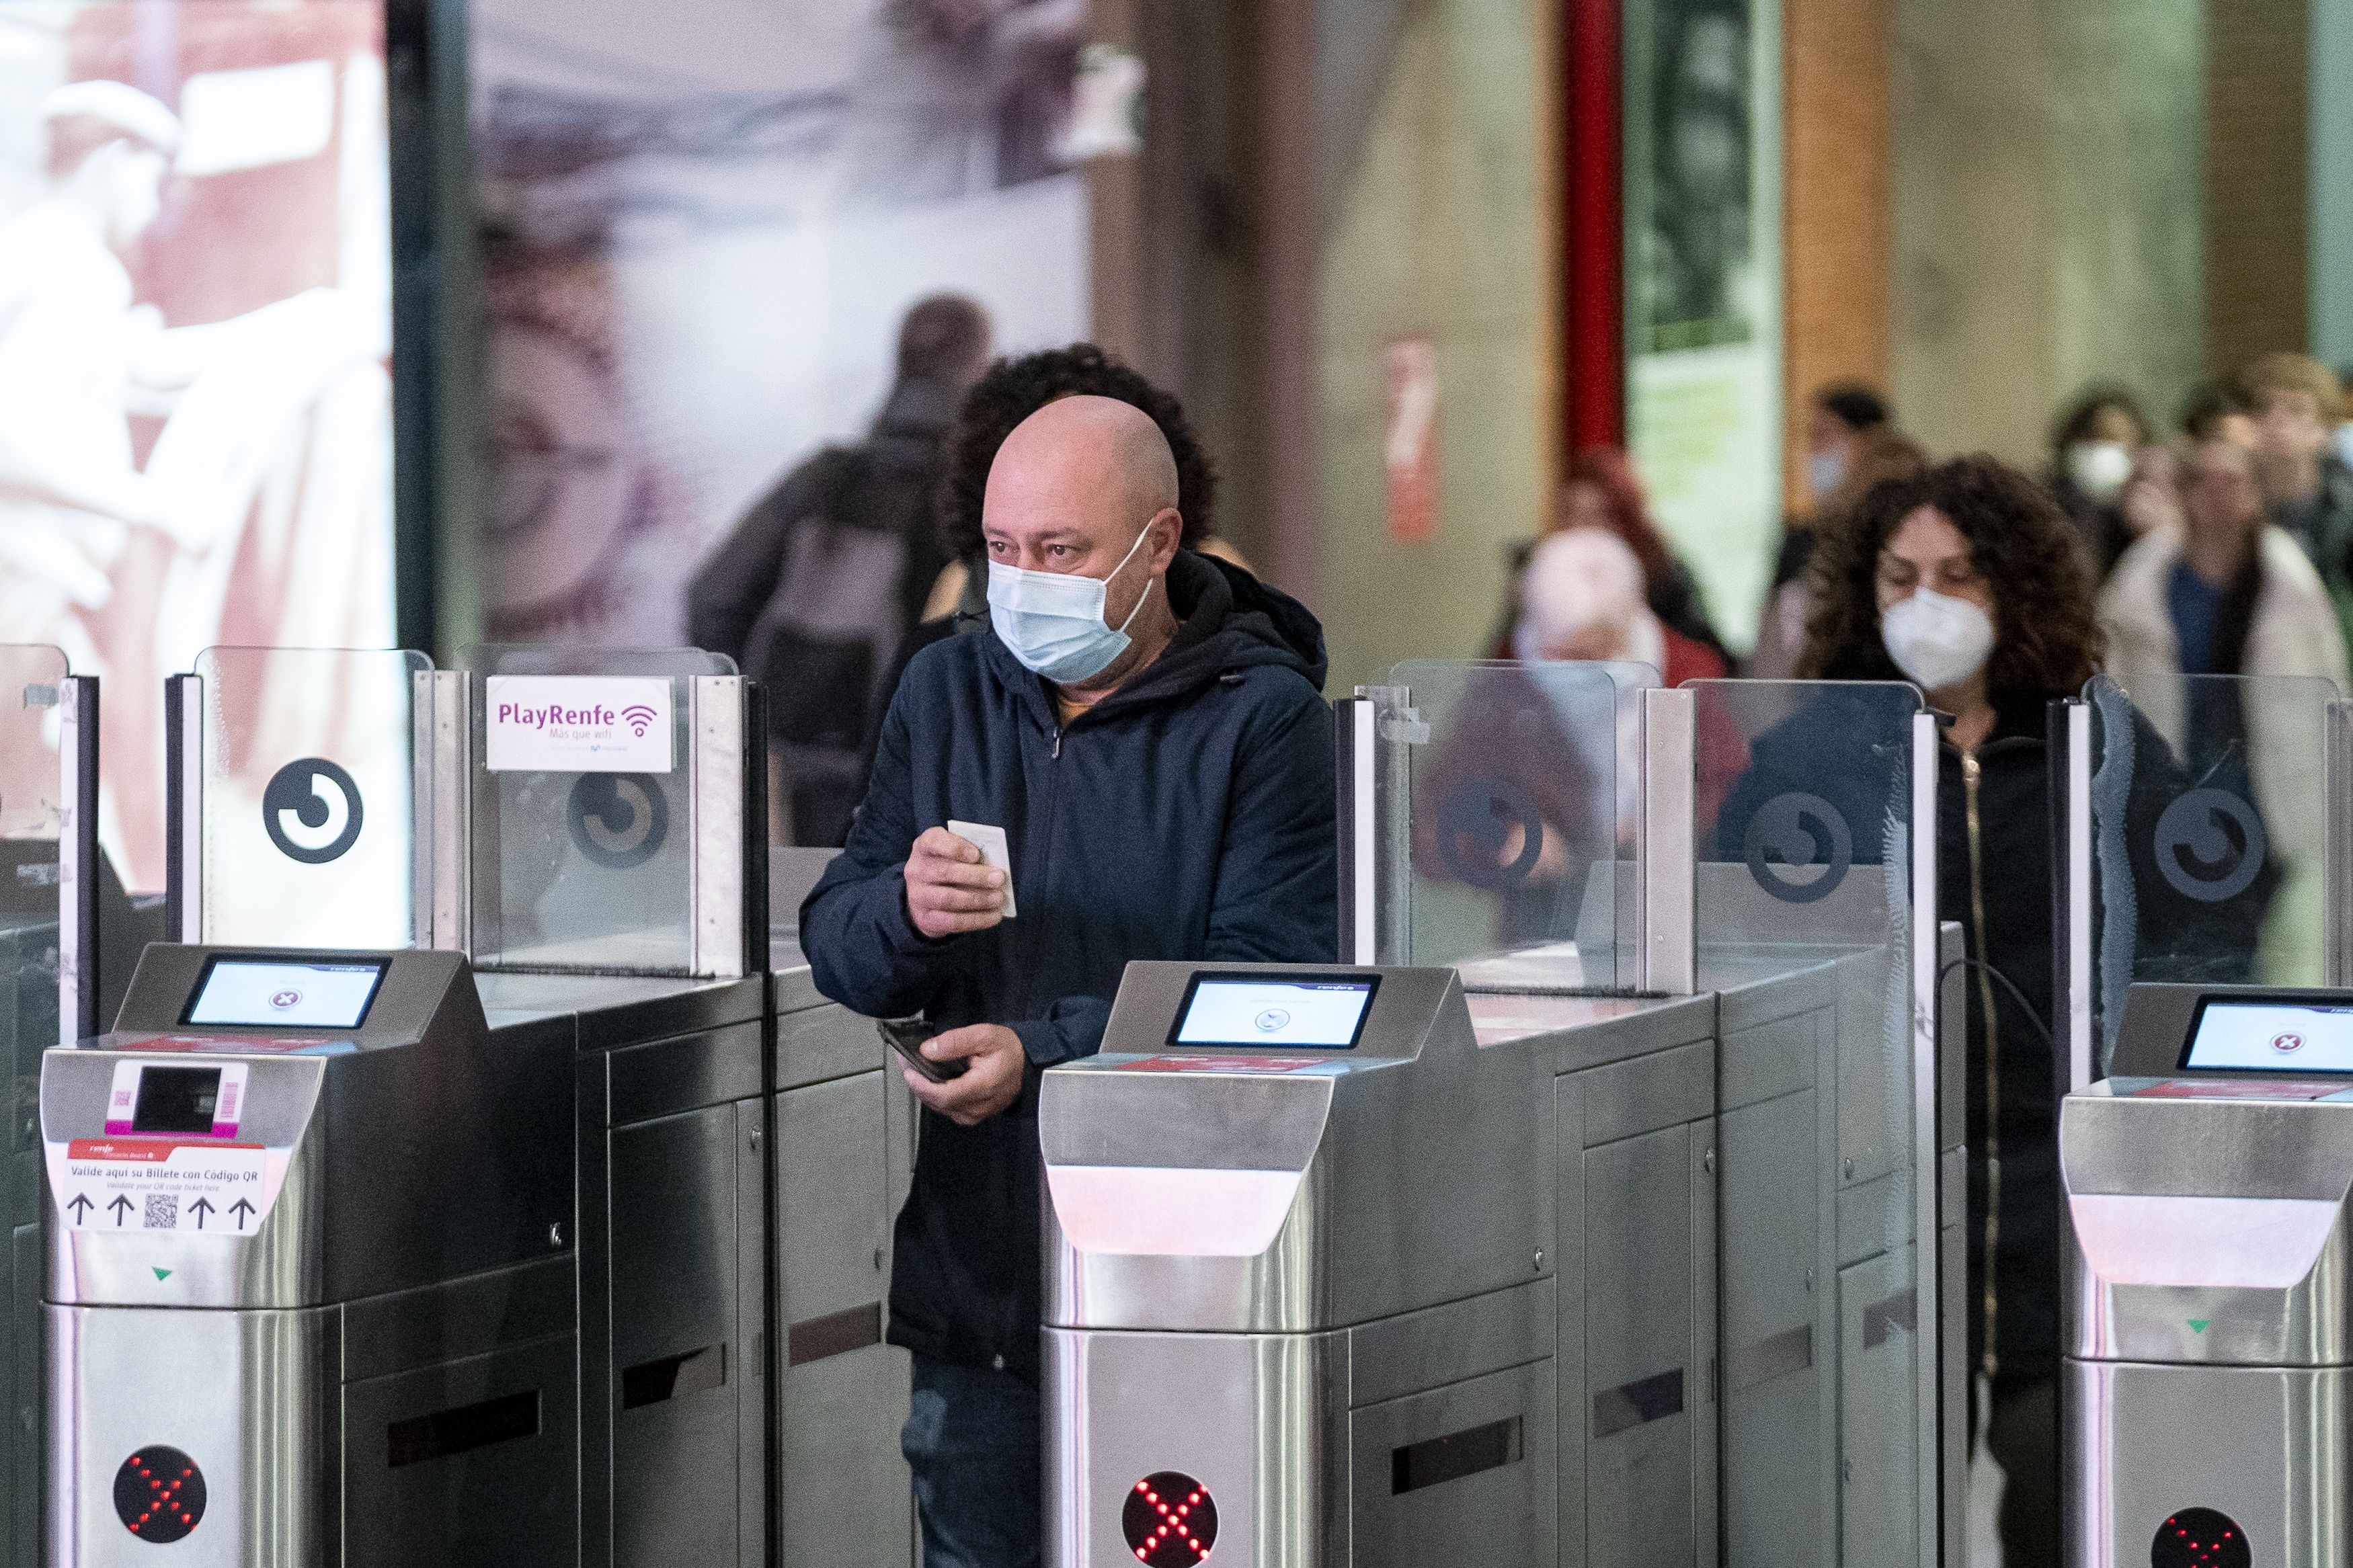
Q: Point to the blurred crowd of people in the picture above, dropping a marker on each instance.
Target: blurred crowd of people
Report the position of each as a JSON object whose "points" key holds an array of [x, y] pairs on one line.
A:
{"points": [[2223, 546]]}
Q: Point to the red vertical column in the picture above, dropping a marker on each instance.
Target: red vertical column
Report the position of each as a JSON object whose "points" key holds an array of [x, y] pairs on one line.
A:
{"points": [[1593, 228]]}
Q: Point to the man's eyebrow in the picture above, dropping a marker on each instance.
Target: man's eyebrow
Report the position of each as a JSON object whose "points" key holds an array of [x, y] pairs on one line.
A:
{"points": [[1055, 535]]}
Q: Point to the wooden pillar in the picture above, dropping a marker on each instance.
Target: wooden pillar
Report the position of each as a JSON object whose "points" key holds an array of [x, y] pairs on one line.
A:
{"points": [[1838, 231], [2256, 159]]}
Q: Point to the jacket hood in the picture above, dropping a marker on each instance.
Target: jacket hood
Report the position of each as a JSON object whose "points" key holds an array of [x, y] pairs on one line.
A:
{"points": [[1227, 620], [919, 406]]}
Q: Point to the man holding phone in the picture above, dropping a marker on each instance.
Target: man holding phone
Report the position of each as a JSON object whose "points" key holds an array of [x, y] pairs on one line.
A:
{"points": [[1144, 727]]}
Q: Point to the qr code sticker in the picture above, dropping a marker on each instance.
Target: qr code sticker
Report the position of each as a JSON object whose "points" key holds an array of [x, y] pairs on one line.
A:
{"points": [[162, 1211]]}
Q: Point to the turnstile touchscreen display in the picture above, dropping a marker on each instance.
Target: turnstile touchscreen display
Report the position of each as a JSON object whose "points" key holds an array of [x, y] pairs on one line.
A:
{"points": [[249, 991], [1310, 1012], [2270, 1037]]}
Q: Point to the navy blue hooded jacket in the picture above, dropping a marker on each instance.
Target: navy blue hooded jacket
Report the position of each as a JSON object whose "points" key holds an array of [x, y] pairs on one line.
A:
{"points": [[1187, 816]]}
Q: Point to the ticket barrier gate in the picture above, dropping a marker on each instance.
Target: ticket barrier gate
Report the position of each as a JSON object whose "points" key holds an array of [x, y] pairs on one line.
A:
{"points": [[1283, 1303], [1516, 1278], [2208, 1385], [661, 1085], [304, 1279], [68, 937], [1732, 1173]]}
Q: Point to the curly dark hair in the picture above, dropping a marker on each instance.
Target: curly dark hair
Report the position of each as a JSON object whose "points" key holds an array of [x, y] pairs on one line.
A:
{"points": [[1013, 389], [2047, 637]]}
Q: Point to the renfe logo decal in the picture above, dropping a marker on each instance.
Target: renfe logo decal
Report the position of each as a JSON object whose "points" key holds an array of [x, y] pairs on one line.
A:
{"points": [[578, 724]]}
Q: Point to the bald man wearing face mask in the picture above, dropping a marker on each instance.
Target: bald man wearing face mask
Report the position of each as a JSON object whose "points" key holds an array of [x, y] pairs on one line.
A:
{"points": [[1147, 726]]}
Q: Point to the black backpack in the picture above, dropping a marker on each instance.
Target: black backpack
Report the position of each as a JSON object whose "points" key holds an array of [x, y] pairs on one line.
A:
{"points": [[852, 573]]}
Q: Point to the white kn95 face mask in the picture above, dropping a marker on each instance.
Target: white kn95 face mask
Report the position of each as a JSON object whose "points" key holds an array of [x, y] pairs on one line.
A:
{"points": [[1935, 640]]}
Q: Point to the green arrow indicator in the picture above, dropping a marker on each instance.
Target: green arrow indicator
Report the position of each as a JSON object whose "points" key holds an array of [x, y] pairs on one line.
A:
{"points": [[161, 1273], [2198, 1325]]}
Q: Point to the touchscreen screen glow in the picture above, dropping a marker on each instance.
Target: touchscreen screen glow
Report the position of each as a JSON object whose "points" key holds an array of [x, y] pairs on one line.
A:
{"points": [[1320, 1014], [299, 996], [2272, 1036]]}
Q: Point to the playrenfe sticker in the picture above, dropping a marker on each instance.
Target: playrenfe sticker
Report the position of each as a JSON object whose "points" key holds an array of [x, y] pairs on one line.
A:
{"points": [[165, 1183], [576, 724]]}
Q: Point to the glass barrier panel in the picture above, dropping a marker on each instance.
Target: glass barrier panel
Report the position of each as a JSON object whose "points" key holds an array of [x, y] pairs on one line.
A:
{"points": [[308, 777], [2209, 811], [1513, 853], [32, 819], [1804, 834], [583, 826], [1803, 806]]}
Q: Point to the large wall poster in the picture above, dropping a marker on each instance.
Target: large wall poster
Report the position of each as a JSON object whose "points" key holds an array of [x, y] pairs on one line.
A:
{"points": [[196, 322], [1704, 287], [701, 227]]}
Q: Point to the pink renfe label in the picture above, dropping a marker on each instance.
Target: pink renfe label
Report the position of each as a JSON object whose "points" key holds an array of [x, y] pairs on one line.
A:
{"points": [[2209, 1089]]}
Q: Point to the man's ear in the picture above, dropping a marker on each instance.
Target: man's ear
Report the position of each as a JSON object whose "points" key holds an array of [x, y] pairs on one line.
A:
{"points": [[1167, 536]]}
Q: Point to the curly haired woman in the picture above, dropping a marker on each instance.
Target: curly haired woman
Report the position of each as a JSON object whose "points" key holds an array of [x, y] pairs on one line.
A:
{"points": [[1968, 580]]}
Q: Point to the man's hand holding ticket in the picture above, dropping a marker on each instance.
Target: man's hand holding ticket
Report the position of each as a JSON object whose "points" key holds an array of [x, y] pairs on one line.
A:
{"points": [[951, 887]]}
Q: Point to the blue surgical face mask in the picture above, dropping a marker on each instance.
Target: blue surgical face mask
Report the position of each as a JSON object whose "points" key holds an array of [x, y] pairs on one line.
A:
{"points": [[1053, 621], [1825, 471]]}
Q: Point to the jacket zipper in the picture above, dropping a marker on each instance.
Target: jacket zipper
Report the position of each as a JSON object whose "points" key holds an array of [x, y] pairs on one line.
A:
{"points": [[1969, 778]]}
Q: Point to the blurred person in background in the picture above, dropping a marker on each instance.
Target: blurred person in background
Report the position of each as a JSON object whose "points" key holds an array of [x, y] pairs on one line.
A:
{"points": [[2221, 591], [2093, 443], [2306, 489], [1845, 415], [2218, 408], [1877, 455], [2152, 497], [1843, 411], [816, 588], [2218, 590], [1601, 492], [1584, 594]]}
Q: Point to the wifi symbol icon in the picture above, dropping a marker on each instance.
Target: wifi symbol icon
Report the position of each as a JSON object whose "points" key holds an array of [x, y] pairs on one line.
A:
{"points": [[637, 717]]}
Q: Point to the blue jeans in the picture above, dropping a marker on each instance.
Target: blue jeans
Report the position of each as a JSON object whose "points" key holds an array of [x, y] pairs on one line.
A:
{"points": [[972, 1440]]}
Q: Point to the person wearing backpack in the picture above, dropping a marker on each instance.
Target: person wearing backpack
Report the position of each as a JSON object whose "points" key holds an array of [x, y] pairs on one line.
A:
{"points": [[811, 593]]}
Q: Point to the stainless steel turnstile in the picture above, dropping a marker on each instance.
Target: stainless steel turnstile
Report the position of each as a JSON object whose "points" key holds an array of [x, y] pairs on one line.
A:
{"points": [[1628, 1231], [1287, 1301], [1517, 1279], [2207, 1388], [307, 1294], [721, 1133]]}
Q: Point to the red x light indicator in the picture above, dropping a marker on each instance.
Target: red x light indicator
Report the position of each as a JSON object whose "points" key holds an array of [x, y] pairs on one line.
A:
{"points": [[1170, 1520], [2199, 1538], [159, 1494]]}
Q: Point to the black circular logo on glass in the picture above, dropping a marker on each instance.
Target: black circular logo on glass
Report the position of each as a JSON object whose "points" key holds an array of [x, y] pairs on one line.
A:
{"points": [[1475, 829], [311, 809], [1170, 1520], [1796, 831], [2210, 846], [159, 1494], [617, 820], [2199, 1538]]}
